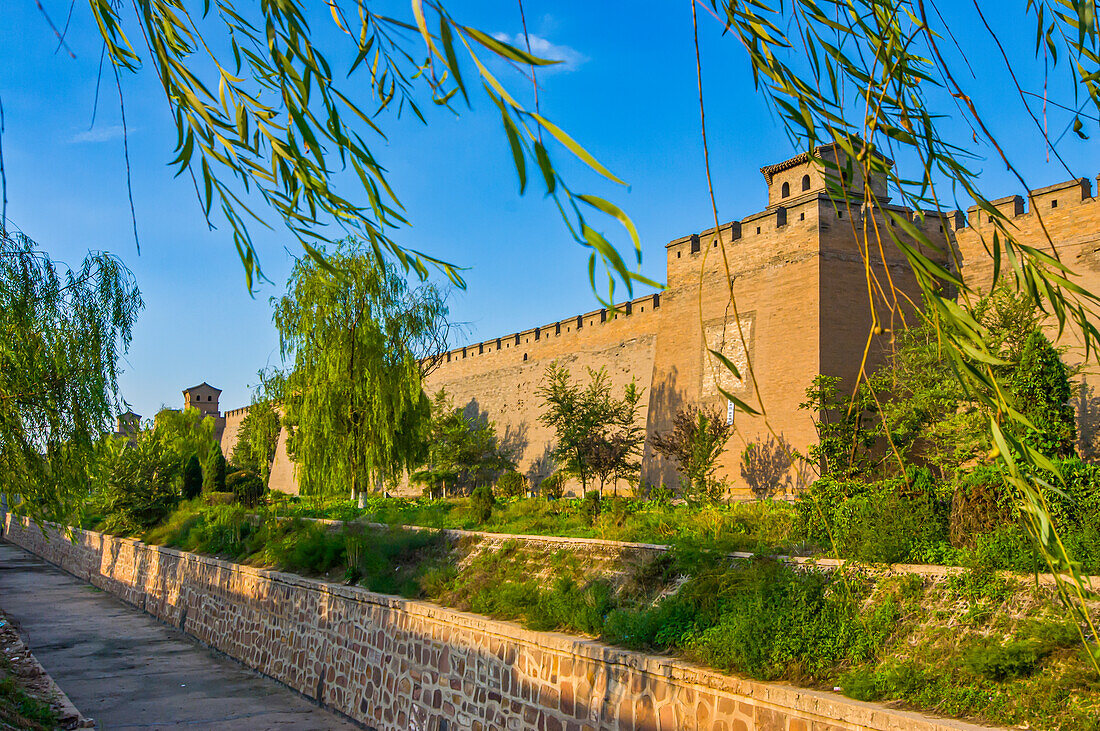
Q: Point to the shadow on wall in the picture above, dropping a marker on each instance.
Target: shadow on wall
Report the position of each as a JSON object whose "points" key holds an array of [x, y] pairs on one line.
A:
{"points": [[665, 399], [772, 468], [541, 467], [1088, 421], [513, 442]]}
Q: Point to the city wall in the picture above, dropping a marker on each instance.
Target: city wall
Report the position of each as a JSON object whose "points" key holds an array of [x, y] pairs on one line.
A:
{"points": [[395, 664], [799, 277], [1062, 220]]}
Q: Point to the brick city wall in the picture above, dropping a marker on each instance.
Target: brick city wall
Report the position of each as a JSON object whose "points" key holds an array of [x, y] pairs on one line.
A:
{"points": [[396, 664], [801, 308]]}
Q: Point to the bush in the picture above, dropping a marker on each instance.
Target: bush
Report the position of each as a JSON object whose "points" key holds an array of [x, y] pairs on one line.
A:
{"points": [[762, 618], [511, 484], [213, 478], [192, 478], [141, 489], [247, 487], [481, 503], [219, 498], [552, 486], [888, 521], [999, 662], [590, 507]]}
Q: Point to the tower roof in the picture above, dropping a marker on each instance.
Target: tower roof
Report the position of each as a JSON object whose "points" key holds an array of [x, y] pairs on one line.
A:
{"points": [[770, 170], [204, 384]]}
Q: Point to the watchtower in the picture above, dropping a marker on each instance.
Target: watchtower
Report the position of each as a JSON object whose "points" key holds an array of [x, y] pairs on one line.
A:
{"points": [[127, 424], [203, 397]]}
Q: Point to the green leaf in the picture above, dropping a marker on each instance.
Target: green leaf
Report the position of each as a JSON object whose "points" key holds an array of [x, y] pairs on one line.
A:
{"points": [[727, 363], [506, 50], [612, 210], [547, 169], [576, 149]]}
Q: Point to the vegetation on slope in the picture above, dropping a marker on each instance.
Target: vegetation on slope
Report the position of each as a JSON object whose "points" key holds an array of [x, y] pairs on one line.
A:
{"points": [[969, 644]]}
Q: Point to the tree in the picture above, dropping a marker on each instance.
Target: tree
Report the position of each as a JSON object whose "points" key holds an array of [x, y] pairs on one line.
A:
{"points": [[142, 486], [697, 439], [512, 484], [192, 478], [463, 450], [186, 432], [353, 394], [213, 474], [1043, 393], [597, 434], [258, 434], [61, 333], [281, 124], [848, 429]]}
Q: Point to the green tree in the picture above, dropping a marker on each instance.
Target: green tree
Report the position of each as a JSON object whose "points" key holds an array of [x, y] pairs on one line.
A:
{"points": [[142, 486], [1041, 387], [353, 396], [596, 432], [512, 484], [61, 333], [213, 474], [186, 432], [847, 429], [482, 502], [697, 439], [192, 478], [463, 450], [258, 434]]}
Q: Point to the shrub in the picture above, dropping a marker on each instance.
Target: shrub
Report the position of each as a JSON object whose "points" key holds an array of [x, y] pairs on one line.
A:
{"points": [[305, 547], [998, 661], [192, 478], [213, 479], [761, 618], [511, 484], [888, 521], [219, 498], [481, 503], [247, 487], [552, 486], [141, 489], [590, 507]]}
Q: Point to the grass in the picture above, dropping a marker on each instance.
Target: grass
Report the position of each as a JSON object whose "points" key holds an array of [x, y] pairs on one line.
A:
{"points": [[19, 709], [764, 526]]}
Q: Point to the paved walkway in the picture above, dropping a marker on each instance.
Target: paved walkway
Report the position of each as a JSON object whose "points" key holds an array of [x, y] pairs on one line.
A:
{"points": [[126, 670]]}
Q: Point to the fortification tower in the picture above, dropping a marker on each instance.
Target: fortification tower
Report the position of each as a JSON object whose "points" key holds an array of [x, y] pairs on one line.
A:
{"points": [[203, 397], [800, 303]]}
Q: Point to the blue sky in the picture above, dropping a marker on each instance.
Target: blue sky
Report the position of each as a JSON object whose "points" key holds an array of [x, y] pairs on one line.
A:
{"points": [[627, 92]]}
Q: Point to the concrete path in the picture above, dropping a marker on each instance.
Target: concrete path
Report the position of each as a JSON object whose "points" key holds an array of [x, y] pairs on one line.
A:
{"points": [[126, 670]]}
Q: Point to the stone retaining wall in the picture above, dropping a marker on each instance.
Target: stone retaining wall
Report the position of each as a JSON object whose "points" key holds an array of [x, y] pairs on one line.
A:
{"points": [[402, 665]]}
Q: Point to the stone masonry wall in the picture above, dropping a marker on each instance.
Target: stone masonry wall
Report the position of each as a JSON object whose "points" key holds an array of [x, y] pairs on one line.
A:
{"points": [[402, 665]]}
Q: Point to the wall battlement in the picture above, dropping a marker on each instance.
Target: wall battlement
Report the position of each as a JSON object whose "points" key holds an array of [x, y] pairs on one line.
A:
{"points": [[1040, 203], [527, 344]]}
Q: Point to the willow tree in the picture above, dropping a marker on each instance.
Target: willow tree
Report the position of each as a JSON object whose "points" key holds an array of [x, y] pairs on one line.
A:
{"points": [[258, 436], [353, 396], [61, 333]]}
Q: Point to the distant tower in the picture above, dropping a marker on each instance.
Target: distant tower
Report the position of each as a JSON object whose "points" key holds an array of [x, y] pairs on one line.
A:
{"points": [[128, 424], [203, 397]]}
